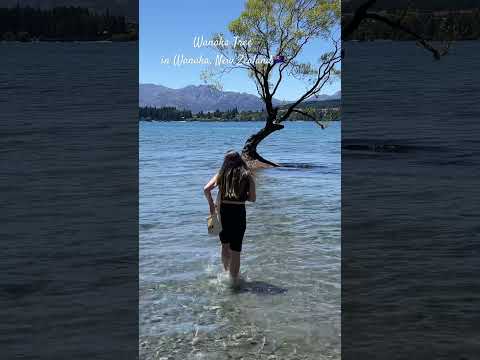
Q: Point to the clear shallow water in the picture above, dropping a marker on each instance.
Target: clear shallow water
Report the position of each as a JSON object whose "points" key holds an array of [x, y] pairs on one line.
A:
{"points": [[289, 306]]}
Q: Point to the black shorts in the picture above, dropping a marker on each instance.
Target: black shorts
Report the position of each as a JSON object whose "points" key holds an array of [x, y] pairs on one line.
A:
{"points": [[234, 223]]}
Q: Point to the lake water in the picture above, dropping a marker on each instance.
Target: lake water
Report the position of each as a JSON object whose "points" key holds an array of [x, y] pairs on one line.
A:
{"points": [[410, 214], [69, 208], [426, 196], [289, 305]]}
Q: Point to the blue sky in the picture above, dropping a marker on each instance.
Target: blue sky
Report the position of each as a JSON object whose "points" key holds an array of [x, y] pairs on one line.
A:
{"points": [[167, 28]]}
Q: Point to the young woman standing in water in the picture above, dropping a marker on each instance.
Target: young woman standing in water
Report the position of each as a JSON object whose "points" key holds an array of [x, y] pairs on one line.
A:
{"points": [[235, 185]]}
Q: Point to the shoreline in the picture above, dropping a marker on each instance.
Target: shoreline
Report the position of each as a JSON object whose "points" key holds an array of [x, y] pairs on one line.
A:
{"points": [[222, 121]]}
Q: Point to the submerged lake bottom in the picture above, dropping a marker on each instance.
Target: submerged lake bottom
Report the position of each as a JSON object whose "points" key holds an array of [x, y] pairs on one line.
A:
{"points": [[288, 305]]}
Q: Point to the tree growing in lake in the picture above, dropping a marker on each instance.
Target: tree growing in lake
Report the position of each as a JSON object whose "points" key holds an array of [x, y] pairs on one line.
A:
{"points": [[271, 35]]}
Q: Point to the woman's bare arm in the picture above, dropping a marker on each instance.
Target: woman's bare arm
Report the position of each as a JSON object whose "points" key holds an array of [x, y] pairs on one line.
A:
{"points": [[207, 191], [252, 194]]}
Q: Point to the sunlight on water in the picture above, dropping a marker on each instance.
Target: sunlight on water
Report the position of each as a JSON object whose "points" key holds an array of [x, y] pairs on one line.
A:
{"points": [[288, 304]]}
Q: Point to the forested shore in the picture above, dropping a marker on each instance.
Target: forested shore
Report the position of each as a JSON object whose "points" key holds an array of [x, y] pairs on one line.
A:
{"points": [[149, 113], [63, 24]]}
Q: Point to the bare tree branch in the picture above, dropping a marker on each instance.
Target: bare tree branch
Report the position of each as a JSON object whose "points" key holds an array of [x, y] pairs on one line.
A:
{"points": [[309, 116], [362, 13], [396, 24], [323, 76], [358, 17]]}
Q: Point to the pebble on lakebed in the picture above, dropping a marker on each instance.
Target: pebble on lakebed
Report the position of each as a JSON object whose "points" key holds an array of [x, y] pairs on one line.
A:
{"points": [[247, 344]]}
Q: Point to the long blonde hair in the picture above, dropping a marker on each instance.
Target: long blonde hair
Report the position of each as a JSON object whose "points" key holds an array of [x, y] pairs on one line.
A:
{"points": [[233, 177]]}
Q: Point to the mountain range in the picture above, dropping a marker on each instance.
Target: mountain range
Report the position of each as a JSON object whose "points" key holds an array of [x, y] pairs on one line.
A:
{"points": [[205, 98]]}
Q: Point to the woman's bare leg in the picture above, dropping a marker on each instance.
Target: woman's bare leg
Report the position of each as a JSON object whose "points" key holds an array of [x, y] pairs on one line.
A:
{"points": [[226, 256], [234, 266]]}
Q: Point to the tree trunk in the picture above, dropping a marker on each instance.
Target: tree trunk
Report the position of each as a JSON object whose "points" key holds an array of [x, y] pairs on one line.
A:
{"points": [[249, 151]]}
